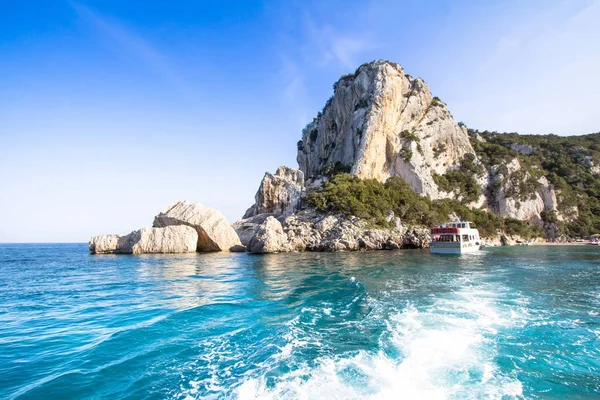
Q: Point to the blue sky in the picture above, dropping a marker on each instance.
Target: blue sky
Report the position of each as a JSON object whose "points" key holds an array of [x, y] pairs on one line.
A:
{"points": [[110, 110]]}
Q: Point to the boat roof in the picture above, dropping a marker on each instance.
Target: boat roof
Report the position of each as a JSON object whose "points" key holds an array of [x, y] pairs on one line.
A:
{"points": [[452, 228]]}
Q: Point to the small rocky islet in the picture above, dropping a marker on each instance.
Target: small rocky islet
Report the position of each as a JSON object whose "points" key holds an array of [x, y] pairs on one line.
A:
{"points": [[380, 123]]}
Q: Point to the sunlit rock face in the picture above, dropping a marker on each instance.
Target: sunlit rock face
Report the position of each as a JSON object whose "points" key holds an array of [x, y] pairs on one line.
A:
{"points": [[505, 199], [278, 193], [269, 238], [183, 228], [214, 232], [170, 239], [381, 122]]}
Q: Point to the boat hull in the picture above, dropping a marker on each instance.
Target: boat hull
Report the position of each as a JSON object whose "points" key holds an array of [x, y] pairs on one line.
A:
{"points": [[453, 248]]}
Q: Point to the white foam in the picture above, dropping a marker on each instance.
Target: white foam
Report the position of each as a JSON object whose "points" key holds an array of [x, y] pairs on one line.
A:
{"points": [[447, 350]]}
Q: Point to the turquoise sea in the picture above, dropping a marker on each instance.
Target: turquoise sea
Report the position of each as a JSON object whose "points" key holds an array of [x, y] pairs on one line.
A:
{"points": [[520, 322]]}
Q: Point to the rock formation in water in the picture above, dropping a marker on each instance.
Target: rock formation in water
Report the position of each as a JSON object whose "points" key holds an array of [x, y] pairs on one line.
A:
{"points": [[269, 238], [104, 244], [171, 239], [214, 232], [183, 228], [246, 228]]}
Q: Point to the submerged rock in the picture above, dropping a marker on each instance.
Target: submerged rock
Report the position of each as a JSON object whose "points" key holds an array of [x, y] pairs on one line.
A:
{"points": [[214, 232]]}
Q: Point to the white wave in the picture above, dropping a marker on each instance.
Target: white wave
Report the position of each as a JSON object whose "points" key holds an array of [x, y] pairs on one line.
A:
{"points": [[444, 350]]}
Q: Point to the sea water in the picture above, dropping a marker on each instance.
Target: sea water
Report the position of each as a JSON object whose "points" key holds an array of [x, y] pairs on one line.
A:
{"points": [[519, 322]]}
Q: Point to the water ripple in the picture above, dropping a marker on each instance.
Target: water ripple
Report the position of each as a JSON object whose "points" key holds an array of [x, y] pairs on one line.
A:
{"points": [[505, 323]]}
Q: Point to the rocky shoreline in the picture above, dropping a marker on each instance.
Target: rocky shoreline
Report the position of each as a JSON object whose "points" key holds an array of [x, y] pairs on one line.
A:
{"points": [[203, 229], [311, 231]]}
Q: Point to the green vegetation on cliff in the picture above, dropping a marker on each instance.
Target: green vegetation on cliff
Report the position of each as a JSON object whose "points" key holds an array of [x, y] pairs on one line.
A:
{"points": [[462, 181], [372, 200]]}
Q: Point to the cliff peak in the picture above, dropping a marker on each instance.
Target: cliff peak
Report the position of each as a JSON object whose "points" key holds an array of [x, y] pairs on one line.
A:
{"points": [[381, 122]]}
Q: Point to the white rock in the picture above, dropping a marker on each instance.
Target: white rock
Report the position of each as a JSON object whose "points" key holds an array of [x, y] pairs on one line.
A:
{"points": [[506, 204], [278, 194], [171, 239], [375, 120], [246, 227], [269, 238], [104, 244], [214, 232], [522, 148]]}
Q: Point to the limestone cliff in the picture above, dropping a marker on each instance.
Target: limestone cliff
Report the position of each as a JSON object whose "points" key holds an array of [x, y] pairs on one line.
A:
{"points": [[279, 193], [508, 198], [381, 122]]}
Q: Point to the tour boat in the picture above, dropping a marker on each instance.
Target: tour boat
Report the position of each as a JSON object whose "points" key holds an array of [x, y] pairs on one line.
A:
{"points": [[454, 238]]}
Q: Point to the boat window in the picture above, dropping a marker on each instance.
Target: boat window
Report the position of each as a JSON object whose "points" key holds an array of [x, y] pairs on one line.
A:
{"points": [[446, 238], [465, 238]]}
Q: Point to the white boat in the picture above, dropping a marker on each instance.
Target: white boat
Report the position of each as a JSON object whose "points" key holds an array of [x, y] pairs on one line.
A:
{"points": [[454, 238]]}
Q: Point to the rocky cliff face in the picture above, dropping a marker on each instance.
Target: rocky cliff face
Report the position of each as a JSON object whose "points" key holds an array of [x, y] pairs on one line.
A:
{"points": [[279, 193], [381, 122], [507, 197]]}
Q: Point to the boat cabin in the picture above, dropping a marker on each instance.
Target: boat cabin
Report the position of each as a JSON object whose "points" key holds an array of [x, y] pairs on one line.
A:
{"points": [[454, 238], [455, 232]]}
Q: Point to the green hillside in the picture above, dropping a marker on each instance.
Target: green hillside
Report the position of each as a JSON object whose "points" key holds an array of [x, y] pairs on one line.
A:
{"points": [[567, 162]]}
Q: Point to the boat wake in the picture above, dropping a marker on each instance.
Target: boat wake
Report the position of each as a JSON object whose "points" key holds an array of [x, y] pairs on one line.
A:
{"points": [[444, 350]]}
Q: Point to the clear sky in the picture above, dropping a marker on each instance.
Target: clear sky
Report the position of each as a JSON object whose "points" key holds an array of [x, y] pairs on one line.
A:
{"points": [[111, 110]]}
